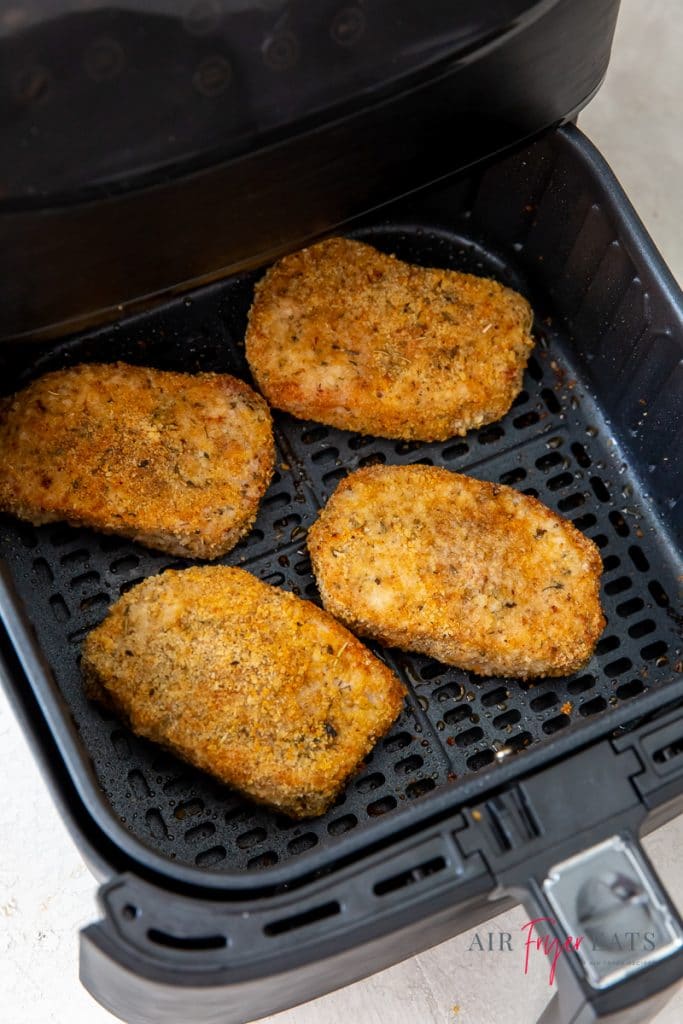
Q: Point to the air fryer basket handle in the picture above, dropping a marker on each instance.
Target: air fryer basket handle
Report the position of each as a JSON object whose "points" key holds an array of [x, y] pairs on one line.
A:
{"points": [[565, 843], [163, 957], [608, 902]]}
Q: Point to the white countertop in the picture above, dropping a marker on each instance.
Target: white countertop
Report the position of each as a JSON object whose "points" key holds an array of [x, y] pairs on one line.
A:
{"points": [[47, 894]]}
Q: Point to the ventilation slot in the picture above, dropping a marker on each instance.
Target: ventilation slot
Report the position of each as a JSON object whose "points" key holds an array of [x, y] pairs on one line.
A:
{"points": [[156, 824], [659, 594], [550, 399], [508, 719], [42, 569], [451, 691], [627, 608], [456, 715], [138, 784], [593, 707], [398, 742], [357, 442], [490, 435], [409, 764], [669, 752], [618, 667], [654, 651], [455, 451], [571, 502], [480, 760], [376, 459], [380, 807], [599, 489], [251, 838], [125, 564], [547, 462], [619, 524], [642, 628], [263, 860], [559, 482], [543, 702], [200, 832], [419, 788], [630, 689], [430, 867], [59, 608], [343, 824], [618, 586], [513, 476], [555, 724], [370, 782], [519, 742], [302, 843], [188, 809], [469, 736], [407, 447], [638, 558], [581, 455], [607, 644], [527, 419], [496, 696], [611, 562], [314, 434], [296, 921], [187, 943], [207, 858], [74, 558], [325, 455]]}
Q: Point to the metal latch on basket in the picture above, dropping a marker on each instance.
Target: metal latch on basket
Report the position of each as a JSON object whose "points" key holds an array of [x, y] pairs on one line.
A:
{"points": [[608, 898]]}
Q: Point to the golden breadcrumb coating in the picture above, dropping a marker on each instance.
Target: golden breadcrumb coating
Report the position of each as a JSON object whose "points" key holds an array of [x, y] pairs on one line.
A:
{"points": [[342, 334], [469, 572], [250, 683], [176, 461]]}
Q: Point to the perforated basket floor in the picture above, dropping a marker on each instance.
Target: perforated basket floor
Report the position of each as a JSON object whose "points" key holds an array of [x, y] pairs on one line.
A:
{"points": [[553, 444]]}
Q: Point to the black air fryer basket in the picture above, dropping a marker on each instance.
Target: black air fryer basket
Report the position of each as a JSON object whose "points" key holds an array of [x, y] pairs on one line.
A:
{"points": [[486, 791]]}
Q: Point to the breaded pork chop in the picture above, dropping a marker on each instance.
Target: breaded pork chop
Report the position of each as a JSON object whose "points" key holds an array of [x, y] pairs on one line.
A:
{"points": [[342, 334], [472, 573], [175, 461], [263, 690]]}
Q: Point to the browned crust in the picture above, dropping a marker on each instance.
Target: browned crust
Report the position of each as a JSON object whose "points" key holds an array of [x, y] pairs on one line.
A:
{"points": [[265, 691], [468, 572], [175, 461], [345, 335]]}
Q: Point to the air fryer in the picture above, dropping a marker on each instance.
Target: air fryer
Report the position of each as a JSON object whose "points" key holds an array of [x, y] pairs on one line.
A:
{"points": [[157, 158]]}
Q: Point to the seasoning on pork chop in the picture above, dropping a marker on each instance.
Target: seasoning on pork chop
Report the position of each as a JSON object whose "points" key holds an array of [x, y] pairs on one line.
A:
{"points": [[265, 691], [345, 335], [468, 572], [175, 461]]}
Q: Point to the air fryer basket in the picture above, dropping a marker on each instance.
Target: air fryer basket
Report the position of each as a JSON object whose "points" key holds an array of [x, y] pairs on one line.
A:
{"points": [[595, 434]]}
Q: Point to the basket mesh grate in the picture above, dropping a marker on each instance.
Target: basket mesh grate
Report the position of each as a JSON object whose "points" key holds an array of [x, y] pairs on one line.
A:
{"points": [[552, 444]]}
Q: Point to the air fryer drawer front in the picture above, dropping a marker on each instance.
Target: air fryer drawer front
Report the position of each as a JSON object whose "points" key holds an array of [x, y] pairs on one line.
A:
{"points": [[575, 863], [551, 221]]}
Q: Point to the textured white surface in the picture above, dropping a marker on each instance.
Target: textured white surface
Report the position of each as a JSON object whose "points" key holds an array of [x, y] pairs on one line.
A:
{"points": [[46, 893]]}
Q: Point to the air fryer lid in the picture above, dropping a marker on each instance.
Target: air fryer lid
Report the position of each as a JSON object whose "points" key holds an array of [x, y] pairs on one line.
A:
{"points": [[93, 94], [171, 82], [156, 145]]}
